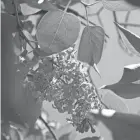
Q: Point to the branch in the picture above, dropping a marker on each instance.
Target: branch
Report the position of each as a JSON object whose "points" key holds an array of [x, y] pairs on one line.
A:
{"points": [[127, 18], [115, 20], [98, 15], [19, 26], [46, 124], [77, 14], [130, 24]]}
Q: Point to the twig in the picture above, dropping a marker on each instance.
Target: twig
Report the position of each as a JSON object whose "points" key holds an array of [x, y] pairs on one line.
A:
{"points": [[85, 6], [16, 13], [70, 10], [127, 18], [100, 21], [115, 20], [46, 124], [75, 13], [97, 13], [130, 24], [88, 5], [20, 26]]}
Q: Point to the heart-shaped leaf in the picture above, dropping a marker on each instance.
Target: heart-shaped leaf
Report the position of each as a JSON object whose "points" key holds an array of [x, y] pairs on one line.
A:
{"points": [[118, 5], [66, 36], [130, 40], [114, 102], [123, 126], [91, 45]]}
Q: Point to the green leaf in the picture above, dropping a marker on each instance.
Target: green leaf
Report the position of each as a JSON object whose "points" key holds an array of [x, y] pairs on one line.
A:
{"points": [[10, 21], [66, 35], [46, 5], [118, 5], [130, 41], [131, 73], [123, 126], [91, 45], [64, 2], [8, 26], [91, 138], [127, 90], [114, 102], [28, 10], [128, 87], [134, 2], [18, 104], [9, 7]]}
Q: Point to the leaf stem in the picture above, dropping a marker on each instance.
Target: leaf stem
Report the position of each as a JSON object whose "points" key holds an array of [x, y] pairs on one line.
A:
{"points": [[46, 124], [116, 21], [19, 26], [79, 15], [89, 4], [60, 22], [85, 6], [127, 18]]}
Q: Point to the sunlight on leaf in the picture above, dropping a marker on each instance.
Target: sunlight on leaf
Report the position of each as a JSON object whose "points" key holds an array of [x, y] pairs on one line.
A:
{"points": [[65, 37], [45, 5], [28, 10], [130, 41], [118, 5], [40, 1]]}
